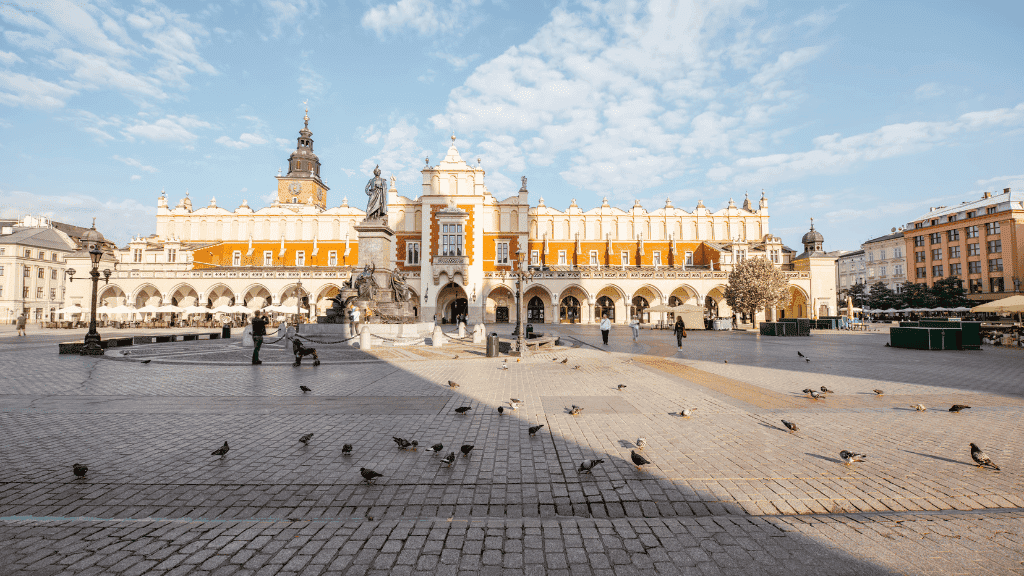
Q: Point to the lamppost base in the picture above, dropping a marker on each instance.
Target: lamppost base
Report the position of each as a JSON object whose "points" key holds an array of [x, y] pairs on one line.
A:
{"points": [[93, 346]]}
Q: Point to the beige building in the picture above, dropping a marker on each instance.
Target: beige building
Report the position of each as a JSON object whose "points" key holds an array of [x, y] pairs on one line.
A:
{"points": [[32, 264], [881, 259]]}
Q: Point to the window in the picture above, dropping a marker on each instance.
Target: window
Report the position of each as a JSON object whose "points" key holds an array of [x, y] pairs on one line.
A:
{"points": [[997, 284], [897, 270], [918, 225], [871, 256], [657, 258], [24, 292], [268, 258], [53, 274], [995, 246], [40, 273], [689, 258], [990, 210], [172, 255], [300, 258], [919, 256], [974, 267], [918, 240], [881, 271], [937, 254], [955, 269], [39, 292], [952, 235], [974, 286], [236, 258], [28, 272], [937, 271], [501, 253], [137, 255], [991, 228], [412, 253], [1, 291], [881, 254], [1, 270], [871, 272], [973, 250], [934, 221], [972, 231], [954, 252], [972, 213], [897, 253], [53, 293], [535, 257], [53, 256], [625, 258], [774, 256], [451, 240], [3, 251], [28, 253], [951, 218], [922, 272], [995, 265], [593, 258], [332, 256], [935, 237], [561, 257]]}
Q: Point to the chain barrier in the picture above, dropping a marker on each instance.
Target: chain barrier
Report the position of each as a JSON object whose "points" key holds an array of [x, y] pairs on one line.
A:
{"points": [[324, 341], [385, 338]]}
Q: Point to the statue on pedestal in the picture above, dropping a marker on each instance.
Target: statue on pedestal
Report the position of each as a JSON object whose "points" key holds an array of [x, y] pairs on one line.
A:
{"points": [[377, 204], [365, 284], [399, 285]]}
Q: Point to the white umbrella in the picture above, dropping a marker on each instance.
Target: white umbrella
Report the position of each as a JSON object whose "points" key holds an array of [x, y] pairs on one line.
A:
{"points": [[195, 310], [285, 309], [222, 309], [122, 309], [148, 309], [73, 309], [170, 309], [238, 309]]}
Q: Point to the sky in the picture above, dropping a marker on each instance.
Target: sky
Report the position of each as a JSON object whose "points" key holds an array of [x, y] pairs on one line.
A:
{"points": [[861, 115]]}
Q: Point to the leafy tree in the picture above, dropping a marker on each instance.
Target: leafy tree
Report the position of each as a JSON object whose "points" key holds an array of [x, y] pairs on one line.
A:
{"points": [[858, 293], [916, 295], [756, 284], [950, 293], [881, 297]]}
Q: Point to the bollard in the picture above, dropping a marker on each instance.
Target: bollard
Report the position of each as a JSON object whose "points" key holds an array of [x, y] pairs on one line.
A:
{"points": [[462, 329], [364, 338], [437, 339], [478, 334]]}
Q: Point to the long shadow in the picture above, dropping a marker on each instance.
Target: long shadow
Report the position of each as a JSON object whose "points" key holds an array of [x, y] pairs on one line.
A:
{"points": [[934, 457]]}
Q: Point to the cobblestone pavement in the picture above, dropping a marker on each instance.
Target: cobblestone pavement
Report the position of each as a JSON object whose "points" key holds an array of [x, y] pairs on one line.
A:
{"points": [[729, 490]]}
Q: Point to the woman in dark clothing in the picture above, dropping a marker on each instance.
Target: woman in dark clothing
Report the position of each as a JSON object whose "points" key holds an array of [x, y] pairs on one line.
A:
{"points": [[680, 331]]}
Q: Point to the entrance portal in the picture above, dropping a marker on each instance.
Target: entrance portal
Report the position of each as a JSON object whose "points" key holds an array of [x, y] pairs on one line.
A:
{"points": [[569, 311], [535, 311]]}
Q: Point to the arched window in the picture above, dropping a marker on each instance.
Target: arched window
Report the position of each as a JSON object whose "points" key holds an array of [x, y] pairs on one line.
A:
{"points": [[639, 309], [535, 311], [569, 310], [604, 306]]}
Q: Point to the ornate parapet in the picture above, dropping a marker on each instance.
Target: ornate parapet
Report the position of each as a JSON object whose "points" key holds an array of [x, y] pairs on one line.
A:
{"points": [[449, 265]]}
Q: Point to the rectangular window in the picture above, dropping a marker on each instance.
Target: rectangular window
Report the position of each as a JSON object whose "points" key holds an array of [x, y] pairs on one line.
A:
{"points": [[919, 256], [973, 249], [897, 253], [922, 272], [954, 252], [937, 271], [955, 269], [624, 258], [412, 253], [268, 258], [24, 292], [53, 293], [137, 255], [236, 258], [593, 258], [53, 256], [974, 285], [881, 271], [3, 251], [918, 240], [935, 237], [689, 258], [992, 228], [974, 267], [990, 210], [501, 253], [898, 270], [972, 213], [997, 284], [451, 240], [951, 218], [995, 265], [952, 235], [775, 256], [535, 257], [657, 258], [332, 256], [995, 246], [971, 231], [937, 254], [40, 273], [300, 258], [28, 272], [39, 292], [28, 253], [871, 272], [1, 270], [871, 256], [53, 274], [561, 257], [172, 255]]}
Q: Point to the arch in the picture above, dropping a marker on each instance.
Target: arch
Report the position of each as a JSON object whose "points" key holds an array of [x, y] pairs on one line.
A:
{"points": [[499, 305], [322, 299], [289, 294], [638, 309], [743, 230], [798, 305], [581, 309], [111, 295], [652, 293], [685, 294], [714, 303], [583, 294], [604, 306], [400, 220], [545, 297], [618, 309], [711, 231], [760, 234], [183, 294], [566, 230], [146, 294], [513, 221], [219, 295], [256, 296], [569, 310], [535, 310], [497, 221], [533, 229], [451, 302], [696, 232]]}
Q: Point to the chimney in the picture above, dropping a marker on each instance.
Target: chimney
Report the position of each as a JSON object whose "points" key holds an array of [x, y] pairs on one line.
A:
{"points": [[1006, 190], [986, 196]]}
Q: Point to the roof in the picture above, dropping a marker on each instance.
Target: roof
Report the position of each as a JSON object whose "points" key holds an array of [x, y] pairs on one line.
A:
{"points": [[884, 238], [37, 238], [852, 253], [1016, 200]]}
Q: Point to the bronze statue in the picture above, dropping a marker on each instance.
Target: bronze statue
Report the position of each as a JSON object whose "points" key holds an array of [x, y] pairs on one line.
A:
{"points": [[365, 283], [377, 205], [399, 285]]}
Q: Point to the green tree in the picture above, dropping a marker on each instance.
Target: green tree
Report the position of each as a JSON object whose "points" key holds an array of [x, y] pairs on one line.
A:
{"points": [[859, 294], [950, 293], [916, 295], [881, 297], [756, 284]]}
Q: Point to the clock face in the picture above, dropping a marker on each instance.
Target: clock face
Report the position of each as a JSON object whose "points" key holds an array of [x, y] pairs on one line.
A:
{"points": [[295, 188]]}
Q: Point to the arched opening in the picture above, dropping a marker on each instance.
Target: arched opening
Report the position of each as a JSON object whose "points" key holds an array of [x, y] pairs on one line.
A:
{"points": [[638, 309], [535, 310], [569, 310], [605, 307], [256, 297], [499, 305], [797, 306], [184, 296], [148, 295], [111, 296], [452, 302]]}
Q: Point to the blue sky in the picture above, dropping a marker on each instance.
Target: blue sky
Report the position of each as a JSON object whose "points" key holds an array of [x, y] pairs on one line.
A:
{"points": [[861, 115]]}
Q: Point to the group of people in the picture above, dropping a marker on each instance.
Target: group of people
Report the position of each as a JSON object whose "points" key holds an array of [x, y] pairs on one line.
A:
{"points": [[606, 326]]}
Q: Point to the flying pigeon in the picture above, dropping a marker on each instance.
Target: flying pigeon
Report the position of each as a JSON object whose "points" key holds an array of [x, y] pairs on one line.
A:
{"points": [[919, 407], [463, 409], [369, 475], [435, 448], [588, 465], [306, 438], [576, 410], [979, 457], [346, 450], [641, 442], [535, 429], [800, 354], [850, 457], [685, 412], [622, 387], [221, 451], [638, 459], [878, 392], [816, 395], [449, 459], [566, 361], [956, 408], [452, 384], [146, 361], [512, 406], [826, 390], [80, 470], [517, 401], [466, 449], [791, 425], [305, 389]]}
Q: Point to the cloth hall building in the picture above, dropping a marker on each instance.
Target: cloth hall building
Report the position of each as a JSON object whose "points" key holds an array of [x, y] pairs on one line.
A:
{"points": [[456, 244]]}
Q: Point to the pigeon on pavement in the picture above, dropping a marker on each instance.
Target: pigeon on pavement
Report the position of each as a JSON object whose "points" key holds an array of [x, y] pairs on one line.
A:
{"points": [[685, 412], [512, 406], [638, 459], [466, 449], [919, 407], [463, 409], [826, 390], [575, 410], [80, 470], [791, 425], [503, 366], [346, 450], [588, 465], [435, 448], [851, 457], [621, 387], [800, 354], [878, 392], [807, 390], [535, 429], [516, 401], [146, 361], [305, 389], [306, 438], [981, 458], [576, 367], [566, 361], [452, 384], [641, 442], [449, 459], [501, 410], [221, 451], [956, 408], [369, 475], [817, 395], [405, 444]]}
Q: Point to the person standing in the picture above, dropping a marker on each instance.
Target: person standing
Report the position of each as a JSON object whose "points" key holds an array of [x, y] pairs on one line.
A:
{"points": [[21, 324], [606, 326], [634, 325], [259, 330], [353, 316], [680, 331]]}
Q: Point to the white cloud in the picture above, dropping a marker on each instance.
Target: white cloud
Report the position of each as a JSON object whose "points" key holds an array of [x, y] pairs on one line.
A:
{"points": [[134, 162], [29, 92], [1001, 179], [252, 139], [456, 61], [136, 177], [8, 58], [95, 71], [226, 141], [423, 16], [287, 13], [929, 90], [787, 61], [399, 155], [116, 218], [311, 83], [168, 129]]}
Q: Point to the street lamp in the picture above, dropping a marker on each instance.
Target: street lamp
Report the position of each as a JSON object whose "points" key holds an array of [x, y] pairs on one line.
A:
{"points": [[92, 338], [521, 277]]}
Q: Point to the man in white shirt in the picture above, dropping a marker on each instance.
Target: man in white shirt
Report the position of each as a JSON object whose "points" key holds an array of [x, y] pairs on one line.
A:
{"points": [[606, 326], [635, 326], [353, 316]]}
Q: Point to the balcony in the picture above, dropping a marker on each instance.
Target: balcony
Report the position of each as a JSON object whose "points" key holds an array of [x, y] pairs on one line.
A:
{"points": [[440, 260]]}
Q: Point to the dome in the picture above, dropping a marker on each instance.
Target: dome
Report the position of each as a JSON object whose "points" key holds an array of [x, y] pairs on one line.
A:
{"points": [[92, 236], [812, 237]]}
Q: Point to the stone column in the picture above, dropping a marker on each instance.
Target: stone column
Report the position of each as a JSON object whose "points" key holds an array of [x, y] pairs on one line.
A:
{"points": [[364, 338], [437, 339]]}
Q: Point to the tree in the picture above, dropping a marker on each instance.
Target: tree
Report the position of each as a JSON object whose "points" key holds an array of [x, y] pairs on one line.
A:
{"points": [[881, 297], [916, 295], [756, 284], [950, 293], [857, 292]]}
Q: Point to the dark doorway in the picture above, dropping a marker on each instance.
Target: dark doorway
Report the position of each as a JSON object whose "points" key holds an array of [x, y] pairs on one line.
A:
{"points": [[535, 311], [605, 306], [458, 307], [501, 314], [639, 309], [569, 311]]}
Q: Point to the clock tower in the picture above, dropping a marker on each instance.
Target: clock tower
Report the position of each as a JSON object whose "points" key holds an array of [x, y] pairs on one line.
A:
{"points": [[302, 183]]}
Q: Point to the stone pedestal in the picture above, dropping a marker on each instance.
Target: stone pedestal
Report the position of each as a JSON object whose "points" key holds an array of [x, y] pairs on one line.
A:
{"points": [[376, 249]]}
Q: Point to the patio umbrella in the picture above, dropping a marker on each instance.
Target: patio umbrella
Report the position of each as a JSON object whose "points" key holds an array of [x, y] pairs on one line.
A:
{"points": [[238, 309], [73, 309], [1011, 305], [660, 308], [170, 309], [148, 309], [285, 309], [223, 309], [122, 310]]}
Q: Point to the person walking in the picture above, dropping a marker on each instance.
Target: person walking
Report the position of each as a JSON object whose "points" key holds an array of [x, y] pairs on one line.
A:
{"points": [[21, 324], [353, 316], [680, 331], [634, 325], [606, 326], [259, 330]]}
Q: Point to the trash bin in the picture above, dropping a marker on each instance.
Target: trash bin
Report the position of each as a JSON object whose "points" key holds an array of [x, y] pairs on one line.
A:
{"points": [[529, 331], [226, 331], [492, 345]]}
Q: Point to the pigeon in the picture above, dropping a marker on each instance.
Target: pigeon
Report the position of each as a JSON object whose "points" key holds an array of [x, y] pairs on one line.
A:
{"points": [[554, 359], [878, 392], [576, 367], [535, 429], [466, 449], [575, 410], [956, 408], [725, 361], [641, 442], [850, 457], [306, 438], [685, 412], [588, 465], [221, 451], [449, 459], [512, 406], [638, 459], [503, 366], [369, 475], [566, 361], [346, 450], [516, 401], [919, 407], [463, 409], [80, 470], [435, 448], [501, 409], [791, 425], [807, 390], [305, 389], [405, 444], [622, 387], [887, 345], [817, 395], [976, 454], [452, 384], [146, 361], [456, 357], [826, 390], [800, 354]]}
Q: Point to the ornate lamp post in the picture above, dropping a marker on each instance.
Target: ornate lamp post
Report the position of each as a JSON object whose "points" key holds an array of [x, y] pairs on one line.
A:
{"points": [[521, 277], [92, 338]]}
